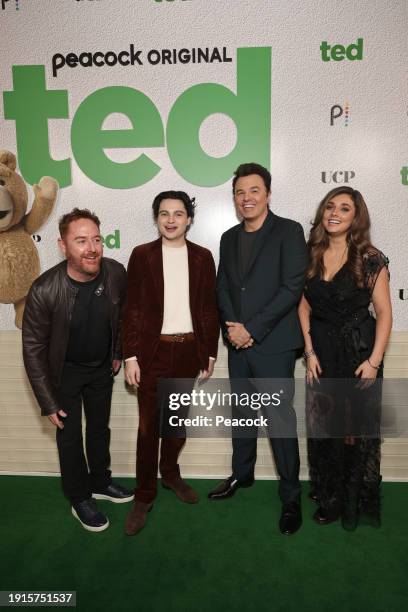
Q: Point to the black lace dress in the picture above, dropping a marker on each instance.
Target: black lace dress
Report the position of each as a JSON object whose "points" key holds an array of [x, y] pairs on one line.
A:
{"points": [[343, 420]]}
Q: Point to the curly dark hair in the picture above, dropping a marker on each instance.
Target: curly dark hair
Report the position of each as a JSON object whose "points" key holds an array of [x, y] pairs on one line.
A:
{"points": [[189, 203]]}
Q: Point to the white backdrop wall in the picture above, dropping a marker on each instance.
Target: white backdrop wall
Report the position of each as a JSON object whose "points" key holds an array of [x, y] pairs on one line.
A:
{"points": [[308, 155], [283, 115]]}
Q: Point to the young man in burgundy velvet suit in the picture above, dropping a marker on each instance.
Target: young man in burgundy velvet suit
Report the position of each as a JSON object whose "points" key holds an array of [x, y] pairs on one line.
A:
{"points": [[170, 330]]}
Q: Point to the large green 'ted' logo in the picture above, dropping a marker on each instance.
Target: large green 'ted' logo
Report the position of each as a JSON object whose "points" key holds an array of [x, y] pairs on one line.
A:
{"points": [[31, 105]]}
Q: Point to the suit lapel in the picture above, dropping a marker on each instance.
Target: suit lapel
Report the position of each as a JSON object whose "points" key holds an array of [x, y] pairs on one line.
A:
{"points": [[193, 275], [260, 240], [235, 254], [156, 267]]}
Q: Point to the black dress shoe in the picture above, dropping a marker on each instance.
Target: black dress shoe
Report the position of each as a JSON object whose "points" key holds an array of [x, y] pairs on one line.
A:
{"points": [[313, 496], [291, 518], [114, 493], [227, 488], [89, 516], [325, 516]]}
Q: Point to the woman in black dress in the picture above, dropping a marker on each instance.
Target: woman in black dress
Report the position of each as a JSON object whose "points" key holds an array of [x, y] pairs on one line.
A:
{"points": [[343, 340]]}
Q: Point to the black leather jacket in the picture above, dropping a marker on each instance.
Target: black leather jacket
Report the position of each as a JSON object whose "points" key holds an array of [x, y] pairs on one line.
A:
{"points": [[46, 322]]}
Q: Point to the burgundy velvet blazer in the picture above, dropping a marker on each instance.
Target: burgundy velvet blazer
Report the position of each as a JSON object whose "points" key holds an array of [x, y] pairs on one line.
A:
{"points": [[143, 311]]}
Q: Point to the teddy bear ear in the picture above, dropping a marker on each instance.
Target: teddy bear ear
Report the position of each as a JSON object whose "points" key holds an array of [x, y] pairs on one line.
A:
{"points": [[8, 159]]}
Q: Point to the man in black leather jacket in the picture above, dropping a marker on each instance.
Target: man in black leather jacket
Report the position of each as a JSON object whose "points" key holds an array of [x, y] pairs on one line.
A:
{"points": [[72, 349]]}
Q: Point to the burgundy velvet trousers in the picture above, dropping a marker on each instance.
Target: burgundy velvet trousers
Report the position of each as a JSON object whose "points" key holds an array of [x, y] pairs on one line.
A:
{"points": [[172, 360]]}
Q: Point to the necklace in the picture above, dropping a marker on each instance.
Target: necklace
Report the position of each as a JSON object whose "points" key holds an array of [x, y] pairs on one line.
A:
{"points": [[339, 263]]}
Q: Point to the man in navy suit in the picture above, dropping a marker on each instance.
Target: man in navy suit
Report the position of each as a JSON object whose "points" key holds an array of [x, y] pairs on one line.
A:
{"points": [[260, 279]]}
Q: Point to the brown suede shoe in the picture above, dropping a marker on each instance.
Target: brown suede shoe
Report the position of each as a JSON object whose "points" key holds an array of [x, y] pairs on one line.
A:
{"points": [[182, 490], [136, 519]]}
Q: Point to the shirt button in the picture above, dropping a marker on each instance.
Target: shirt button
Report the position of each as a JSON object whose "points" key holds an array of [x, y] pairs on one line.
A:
{"points": [[242, 288]]}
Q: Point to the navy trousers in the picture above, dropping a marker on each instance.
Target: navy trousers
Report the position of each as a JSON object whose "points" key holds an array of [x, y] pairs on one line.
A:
{"points": [[246, 364]]}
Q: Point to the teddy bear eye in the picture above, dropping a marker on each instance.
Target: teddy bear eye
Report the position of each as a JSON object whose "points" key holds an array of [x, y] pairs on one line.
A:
{"points": [[2, 182]]}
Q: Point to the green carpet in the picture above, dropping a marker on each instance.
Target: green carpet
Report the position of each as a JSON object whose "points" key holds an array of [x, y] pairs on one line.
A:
{"points": [[207, 557]]}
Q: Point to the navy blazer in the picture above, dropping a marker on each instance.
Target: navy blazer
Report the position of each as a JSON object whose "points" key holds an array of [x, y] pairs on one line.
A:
{"points": [[265, 300]]}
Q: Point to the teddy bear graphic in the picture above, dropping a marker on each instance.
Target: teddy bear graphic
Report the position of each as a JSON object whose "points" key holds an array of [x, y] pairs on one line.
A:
{"points": [[19, 261]]}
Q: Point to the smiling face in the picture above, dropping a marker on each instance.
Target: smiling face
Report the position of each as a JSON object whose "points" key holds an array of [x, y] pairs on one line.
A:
{"points": [[251, 199], [83, 249], [172, 222], [339, 214]]}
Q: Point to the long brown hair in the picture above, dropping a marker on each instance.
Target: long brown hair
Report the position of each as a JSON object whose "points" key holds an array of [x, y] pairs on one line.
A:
{"points": [[358, 237]]}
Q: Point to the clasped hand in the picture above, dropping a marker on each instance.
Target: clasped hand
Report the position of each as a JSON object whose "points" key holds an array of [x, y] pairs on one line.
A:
{"points": [[238, 335]]}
